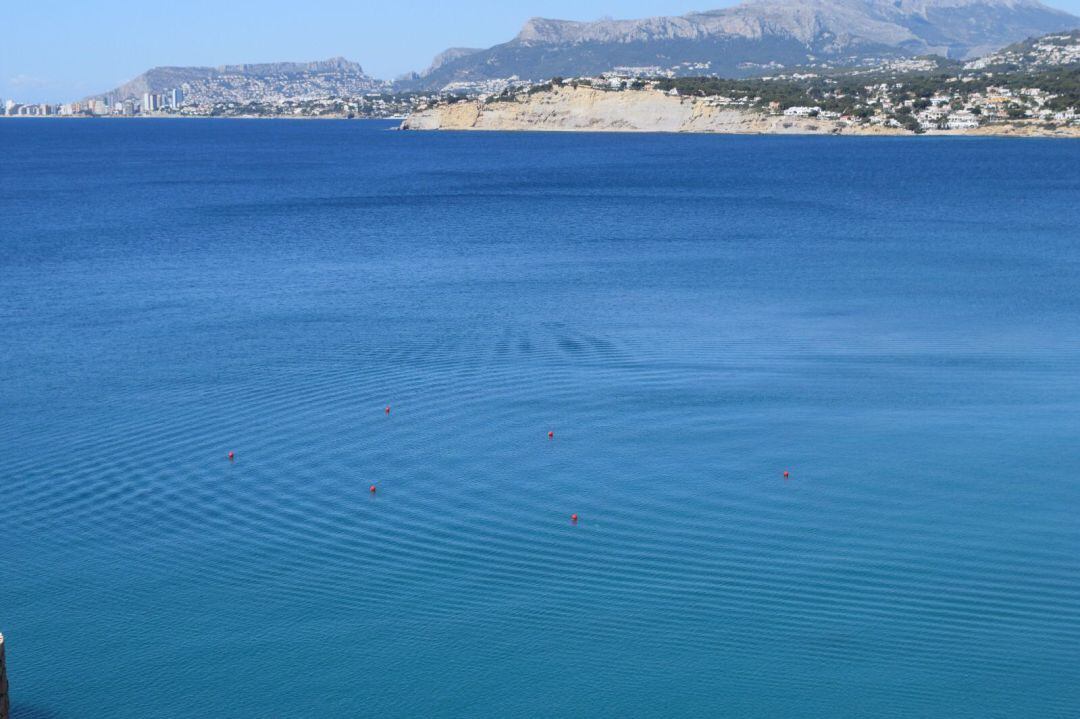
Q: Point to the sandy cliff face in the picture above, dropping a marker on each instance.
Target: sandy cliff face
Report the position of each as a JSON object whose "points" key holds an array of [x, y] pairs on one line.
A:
{"points": [[585, 109]]}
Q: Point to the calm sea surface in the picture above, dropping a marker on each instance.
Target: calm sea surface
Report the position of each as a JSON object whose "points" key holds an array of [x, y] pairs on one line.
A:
{"points": [[896, 322]]}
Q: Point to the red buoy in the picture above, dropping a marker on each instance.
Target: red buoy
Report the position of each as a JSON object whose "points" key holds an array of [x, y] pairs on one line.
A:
{"points": [[551, 435], [573, 518], [388, 409], [232, 456], [786, 474], [371, 489]]}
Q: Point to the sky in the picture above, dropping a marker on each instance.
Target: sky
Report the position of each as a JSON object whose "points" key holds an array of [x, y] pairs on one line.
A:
{"points": [[60, 50]]}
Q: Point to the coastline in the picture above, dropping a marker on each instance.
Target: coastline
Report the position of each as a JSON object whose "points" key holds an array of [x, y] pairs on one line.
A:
{"points": [[584, 109], [393, 118]]}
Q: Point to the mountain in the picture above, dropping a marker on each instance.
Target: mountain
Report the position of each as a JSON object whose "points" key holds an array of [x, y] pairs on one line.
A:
{"points": [[450, 55], [755, 36], [253, 82]]}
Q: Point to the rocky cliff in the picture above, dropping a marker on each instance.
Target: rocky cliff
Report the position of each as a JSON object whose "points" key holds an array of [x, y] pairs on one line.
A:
{"points": [[586, 109], [568, 108]]}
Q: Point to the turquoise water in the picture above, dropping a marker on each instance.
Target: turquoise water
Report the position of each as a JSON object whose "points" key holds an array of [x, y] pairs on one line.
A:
{"points": [[895, 322]]}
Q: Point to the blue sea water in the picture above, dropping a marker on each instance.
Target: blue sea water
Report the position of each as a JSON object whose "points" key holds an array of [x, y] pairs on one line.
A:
{"points": [[896, 322]]}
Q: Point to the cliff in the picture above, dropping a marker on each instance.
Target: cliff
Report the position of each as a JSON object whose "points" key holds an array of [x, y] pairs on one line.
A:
{"points": [[586, 109]]}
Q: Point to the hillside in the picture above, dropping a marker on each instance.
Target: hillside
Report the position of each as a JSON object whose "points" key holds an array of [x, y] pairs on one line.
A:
{"points": [[1057, 50], [756, 37], [253, 82]]}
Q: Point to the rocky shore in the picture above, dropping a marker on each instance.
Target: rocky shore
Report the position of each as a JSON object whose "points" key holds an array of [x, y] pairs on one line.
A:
{"points": [[587, 109]]}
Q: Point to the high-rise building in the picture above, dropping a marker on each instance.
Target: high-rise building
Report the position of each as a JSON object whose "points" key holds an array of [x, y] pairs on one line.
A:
{"points": [[147, 102], [176, 98], [9, 107]]}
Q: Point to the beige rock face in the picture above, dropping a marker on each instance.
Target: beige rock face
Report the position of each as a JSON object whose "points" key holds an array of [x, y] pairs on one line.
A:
{"points": [[585, 109]]}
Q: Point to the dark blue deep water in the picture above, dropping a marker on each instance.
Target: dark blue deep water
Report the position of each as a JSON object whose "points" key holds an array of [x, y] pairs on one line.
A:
{"points": [[896, 322]]}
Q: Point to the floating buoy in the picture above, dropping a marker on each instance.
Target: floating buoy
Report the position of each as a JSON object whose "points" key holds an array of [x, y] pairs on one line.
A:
{"points": [[371, 489], [387, 409], [232, 456], [786, 474], [573, 518], [551, 435]]}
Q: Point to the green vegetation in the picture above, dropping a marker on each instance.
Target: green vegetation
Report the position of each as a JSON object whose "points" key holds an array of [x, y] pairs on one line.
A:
{"points": [[861, 94]]}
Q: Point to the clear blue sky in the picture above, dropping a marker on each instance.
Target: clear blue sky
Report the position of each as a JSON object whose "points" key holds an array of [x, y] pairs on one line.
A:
{"points": [[55, 50]]}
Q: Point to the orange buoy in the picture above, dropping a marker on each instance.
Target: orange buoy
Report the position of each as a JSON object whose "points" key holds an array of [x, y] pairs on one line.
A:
{"points": [[371, 489], [573, 518], [786, 474], [551, 435], [232, 456]]}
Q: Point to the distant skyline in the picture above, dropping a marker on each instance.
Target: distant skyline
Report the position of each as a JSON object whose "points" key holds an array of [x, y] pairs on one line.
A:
{"points": [[53, 51]]}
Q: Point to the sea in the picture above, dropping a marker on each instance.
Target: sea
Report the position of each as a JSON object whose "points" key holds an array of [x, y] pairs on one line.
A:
{"points": [[815, 402]]}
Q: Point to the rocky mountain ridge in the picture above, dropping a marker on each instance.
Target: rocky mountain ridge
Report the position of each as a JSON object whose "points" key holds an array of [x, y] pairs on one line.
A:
{"points": [[744, 39]]}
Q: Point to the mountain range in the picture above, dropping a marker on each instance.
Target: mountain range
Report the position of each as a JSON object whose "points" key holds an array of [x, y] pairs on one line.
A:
{"points": [[753, 38]]}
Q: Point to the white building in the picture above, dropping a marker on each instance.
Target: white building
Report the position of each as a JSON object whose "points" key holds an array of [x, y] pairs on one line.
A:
{"points": [[962, 121], [801, 111]]}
